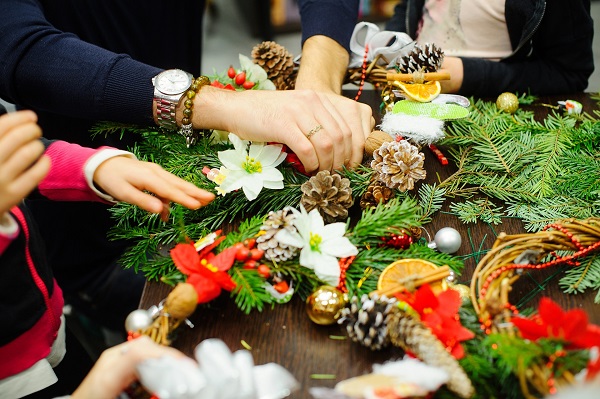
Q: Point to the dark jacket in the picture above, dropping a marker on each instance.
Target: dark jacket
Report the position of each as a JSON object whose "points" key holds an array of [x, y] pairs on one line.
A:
{"points": [[77, 62], [30, 300], [551, 42]]}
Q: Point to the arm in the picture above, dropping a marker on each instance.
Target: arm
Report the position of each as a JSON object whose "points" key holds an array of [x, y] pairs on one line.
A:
{"points": [[561, 60], [326, 30], [44, 68], [116, 369], [85, 174]]}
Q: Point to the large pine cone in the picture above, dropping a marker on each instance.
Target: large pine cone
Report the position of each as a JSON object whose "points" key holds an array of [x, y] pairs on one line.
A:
{"points": [[422, 58], [276, 61], [377, 193], [398, 164], [413, 336], [330, 194], [366, 320], [276, 221]]}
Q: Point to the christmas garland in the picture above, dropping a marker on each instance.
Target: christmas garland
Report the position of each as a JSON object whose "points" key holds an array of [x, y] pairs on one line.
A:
{"points": [[288, 242]]}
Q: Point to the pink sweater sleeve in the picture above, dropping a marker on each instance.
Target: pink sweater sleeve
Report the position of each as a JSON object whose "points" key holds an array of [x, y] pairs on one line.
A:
{"points": [[9, 230], [66, 180]]}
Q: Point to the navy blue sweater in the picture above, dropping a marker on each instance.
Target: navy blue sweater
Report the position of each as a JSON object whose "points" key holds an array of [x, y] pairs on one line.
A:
{"points": [[76, 62]]}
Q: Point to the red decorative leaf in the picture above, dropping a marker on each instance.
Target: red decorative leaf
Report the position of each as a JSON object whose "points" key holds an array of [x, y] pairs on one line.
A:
{"points": [[553, 322], [185, 258]]}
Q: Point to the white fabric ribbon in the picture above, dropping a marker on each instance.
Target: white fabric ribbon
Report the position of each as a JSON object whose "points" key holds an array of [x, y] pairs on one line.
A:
{"points": [[219, 374], [390, 45]]}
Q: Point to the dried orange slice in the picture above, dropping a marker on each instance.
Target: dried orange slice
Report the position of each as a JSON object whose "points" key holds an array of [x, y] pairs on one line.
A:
{"points": [[396, 272], [422, 92]]}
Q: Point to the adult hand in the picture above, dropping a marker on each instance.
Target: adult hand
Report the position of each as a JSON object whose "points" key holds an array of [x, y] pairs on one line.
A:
{"points": [[308, 122], [22, 165], [115, 370], [453, 65], [126, 179], [318, 51]]}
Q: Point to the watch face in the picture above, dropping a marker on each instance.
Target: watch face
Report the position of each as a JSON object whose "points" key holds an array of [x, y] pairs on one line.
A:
{"points": [[173, 81]]}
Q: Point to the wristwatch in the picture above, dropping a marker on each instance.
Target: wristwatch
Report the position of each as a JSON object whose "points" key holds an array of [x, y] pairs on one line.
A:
{"points": [[169, 87]]}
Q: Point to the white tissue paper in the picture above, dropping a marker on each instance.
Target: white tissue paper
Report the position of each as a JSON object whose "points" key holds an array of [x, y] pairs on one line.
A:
{"points": [[219, 374]]}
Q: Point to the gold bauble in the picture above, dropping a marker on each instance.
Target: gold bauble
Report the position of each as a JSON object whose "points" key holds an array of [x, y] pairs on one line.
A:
{"points": [[324, 305], [463, 290], [508, 102]]}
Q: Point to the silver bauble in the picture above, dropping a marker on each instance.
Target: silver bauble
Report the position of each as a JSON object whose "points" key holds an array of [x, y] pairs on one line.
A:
{"points": [[446, 240], [137, 320]]}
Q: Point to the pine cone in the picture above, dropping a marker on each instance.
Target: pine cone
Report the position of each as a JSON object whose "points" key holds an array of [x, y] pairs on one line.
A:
{"points": [[276, 221], [399, 164], [411, 335], [330, 194], [377, 193], [276, 61], [422, 58], [366, 320]]}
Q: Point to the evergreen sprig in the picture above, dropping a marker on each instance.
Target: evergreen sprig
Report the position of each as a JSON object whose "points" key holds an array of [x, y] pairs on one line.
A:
{"points": [[514, 166], [381, 221]]}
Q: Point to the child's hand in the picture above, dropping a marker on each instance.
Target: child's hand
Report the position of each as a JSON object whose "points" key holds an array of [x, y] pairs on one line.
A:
{"points": [[22, 165], [126, 179], [116, 368]]}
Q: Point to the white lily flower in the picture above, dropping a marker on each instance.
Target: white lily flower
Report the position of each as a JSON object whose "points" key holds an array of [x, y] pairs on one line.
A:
{"points": [[321, 244], [256, 74], [251, 166]]}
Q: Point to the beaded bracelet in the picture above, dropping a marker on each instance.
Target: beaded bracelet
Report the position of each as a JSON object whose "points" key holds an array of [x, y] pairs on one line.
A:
{"points": [[186, 129]]}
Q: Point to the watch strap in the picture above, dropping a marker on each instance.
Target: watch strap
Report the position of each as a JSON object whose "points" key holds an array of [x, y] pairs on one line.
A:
{"points": [[165, 112]]}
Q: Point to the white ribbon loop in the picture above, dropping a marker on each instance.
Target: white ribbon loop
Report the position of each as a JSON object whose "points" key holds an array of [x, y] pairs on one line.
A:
{"points": [[390, 45]]}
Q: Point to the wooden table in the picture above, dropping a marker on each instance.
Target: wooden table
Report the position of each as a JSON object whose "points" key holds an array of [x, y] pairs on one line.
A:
{"points": [[285, 334]]}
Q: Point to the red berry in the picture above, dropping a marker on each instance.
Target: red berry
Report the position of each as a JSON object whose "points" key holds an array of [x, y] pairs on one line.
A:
{"points": [[242, 254], [256, 254], [281, 287], [231, 72], [250, 264], [250, 243], [264, 270], [240, 78], [248, 85]]}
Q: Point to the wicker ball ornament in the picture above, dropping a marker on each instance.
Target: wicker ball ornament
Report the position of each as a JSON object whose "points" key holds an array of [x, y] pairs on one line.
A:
{"points": [[507, 102], [399, 164], [330, 194]]}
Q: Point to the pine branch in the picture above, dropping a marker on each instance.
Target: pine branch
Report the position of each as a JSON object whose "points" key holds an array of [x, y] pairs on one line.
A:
{"points": [[250, 292], [480, 209], [431, 200], [377, 222], [579, 279]]}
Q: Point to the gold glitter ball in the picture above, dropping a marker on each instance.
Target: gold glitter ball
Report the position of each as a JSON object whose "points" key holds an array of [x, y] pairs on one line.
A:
{"points": [[324, 305], [508, 102]]}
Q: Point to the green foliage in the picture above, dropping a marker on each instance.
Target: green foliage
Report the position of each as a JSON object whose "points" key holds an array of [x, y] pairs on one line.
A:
{"points": [[431, 200], [578, 279], [479, 209], [384, 220], [250, 292], [514, 166]]}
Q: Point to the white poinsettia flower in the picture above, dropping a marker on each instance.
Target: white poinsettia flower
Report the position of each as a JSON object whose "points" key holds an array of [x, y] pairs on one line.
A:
{"points": [[321, 245], [250, 166], [255, 73]]}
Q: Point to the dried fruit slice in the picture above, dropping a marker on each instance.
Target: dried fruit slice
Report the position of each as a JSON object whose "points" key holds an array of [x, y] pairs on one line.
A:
{"points": [[422, 92], [398, 272]]}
